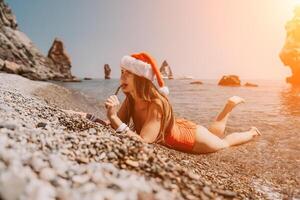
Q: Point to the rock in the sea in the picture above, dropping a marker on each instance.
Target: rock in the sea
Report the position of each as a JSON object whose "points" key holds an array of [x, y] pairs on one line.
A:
{"points": [[250, 85], [19, 55], [166, 71], [196, 82], [290, 53], [61, 59], [107, 71], [230, 80], [87, 78]]}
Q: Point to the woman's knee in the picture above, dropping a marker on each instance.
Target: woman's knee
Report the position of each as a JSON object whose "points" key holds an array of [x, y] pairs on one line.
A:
{"points": [[217, 128], [205, 148], [207, 142]]}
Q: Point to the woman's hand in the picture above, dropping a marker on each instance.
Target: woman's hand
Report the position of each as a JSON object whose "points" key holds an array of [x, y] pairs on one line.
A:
{"points": [[111, 105]]}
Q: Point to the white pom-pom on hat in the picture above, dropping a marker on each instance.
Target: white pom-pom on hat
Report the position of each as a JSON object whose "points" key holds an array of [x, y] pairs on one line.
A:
{"points": [[164, 90]]}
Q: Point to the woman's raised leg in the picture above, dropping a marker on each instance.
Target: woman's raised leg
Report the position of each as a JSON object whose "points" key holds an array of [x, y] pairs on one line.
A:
{"points": [[218, 126]]}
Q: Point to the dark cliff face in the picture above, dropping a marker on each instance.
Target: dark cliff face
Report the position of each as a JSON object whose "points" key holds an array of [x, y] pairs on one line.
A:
{"points": [[290, 53], [20, 56]]}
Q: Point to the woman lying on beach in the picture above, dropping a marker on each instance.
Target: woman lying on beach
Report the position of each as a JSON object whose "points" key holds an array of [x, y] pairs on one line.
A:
{"points": [[152, 115]]}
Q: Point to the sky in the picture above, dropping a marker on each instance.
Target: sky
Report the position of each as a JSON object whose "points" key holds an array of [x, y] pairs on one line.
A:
{"points": [[201, 38]]}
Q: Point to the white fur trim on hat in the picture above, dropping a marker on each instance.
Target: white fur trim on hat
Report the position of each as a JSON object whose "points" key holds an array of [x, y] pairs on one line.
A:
{"points": [[137, 67], [164, 90]]}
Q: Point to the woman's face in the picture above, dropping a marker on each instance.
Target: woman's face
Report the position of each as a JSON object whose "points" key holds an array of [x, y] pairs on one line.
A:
{"points": [[127, 81]]}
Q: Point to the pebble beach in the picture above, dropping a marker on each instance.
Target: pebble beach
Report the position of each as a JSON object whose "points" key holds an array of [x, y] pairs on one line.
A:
{"points": [[46, 153]]}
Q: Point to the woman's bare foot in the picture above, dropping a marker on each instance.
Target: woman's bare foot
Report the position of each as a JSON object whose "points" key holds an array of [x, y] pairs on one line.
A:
{"points": [[255, 131], [234, 101], [231, 103]]}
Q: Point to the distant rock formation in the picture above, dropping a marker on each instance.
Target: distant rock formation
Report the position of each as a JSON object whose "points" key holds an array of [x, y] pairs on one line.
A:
{"points": [[230, 80], [166, 71], [290, 53], [60, 59], [196, 82], [107, 71], [250, 85], [20, 56]]}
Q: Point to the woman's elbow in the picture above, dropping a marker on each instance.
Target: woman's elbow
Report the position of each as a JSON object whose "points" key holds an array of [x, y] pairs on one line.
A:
{"points": [[147, 140]]}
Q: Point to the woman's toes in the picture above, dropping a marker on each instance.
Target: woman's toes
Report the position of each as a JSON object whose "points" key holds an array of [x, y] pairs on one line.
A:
{"points": [[257, 132], [236, 100]]}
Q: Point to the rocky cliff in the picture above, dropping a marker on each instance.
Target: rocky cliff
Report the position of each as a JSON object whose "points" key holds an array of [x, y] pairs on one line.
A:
{"points": [[107, 71], [166, 71], [290, 53], [19, 55]]}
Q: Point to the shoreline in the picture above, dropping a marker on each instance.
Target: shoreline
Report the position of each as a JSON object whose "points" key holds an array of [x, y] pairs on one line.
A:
{"points": [[34, 126]]}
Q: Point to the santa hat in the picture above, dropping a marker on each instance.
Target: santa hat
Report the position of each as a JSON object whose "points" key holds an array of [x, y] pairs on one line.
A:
{"points": [[142, 64]]}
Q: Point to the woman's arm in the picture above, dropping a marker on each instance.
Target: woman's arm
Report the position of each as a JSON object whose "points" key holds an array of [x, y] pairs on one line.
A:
{"points": [[116, 122], [122, 113], [151, 127], [111, 105]]}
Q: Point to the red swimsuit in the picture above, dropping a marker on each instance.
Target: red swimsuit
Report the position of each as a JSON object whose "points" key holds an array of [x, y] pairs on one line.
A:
{"points": [[182, 135]]}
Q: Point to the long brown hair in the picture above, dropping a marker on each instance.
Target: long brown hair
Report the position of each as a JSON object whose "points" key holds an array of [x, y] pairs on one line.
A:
{"points": [[147, 91]]}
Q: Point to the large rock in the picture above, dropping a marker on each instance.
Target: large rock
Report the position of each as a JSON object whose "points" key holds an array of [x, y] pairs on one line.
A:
{"points": [[21, 56], [196, 82], [107, 71], [166, 71], [60, 58], [290, 53], [250, 84], [11, 67], [230, 80]]}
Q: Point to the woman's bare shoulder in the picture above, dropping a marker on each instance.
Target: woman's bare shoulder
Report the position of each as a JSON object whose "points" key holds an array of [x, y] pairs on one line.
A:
{"points": [[155, 109]]}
